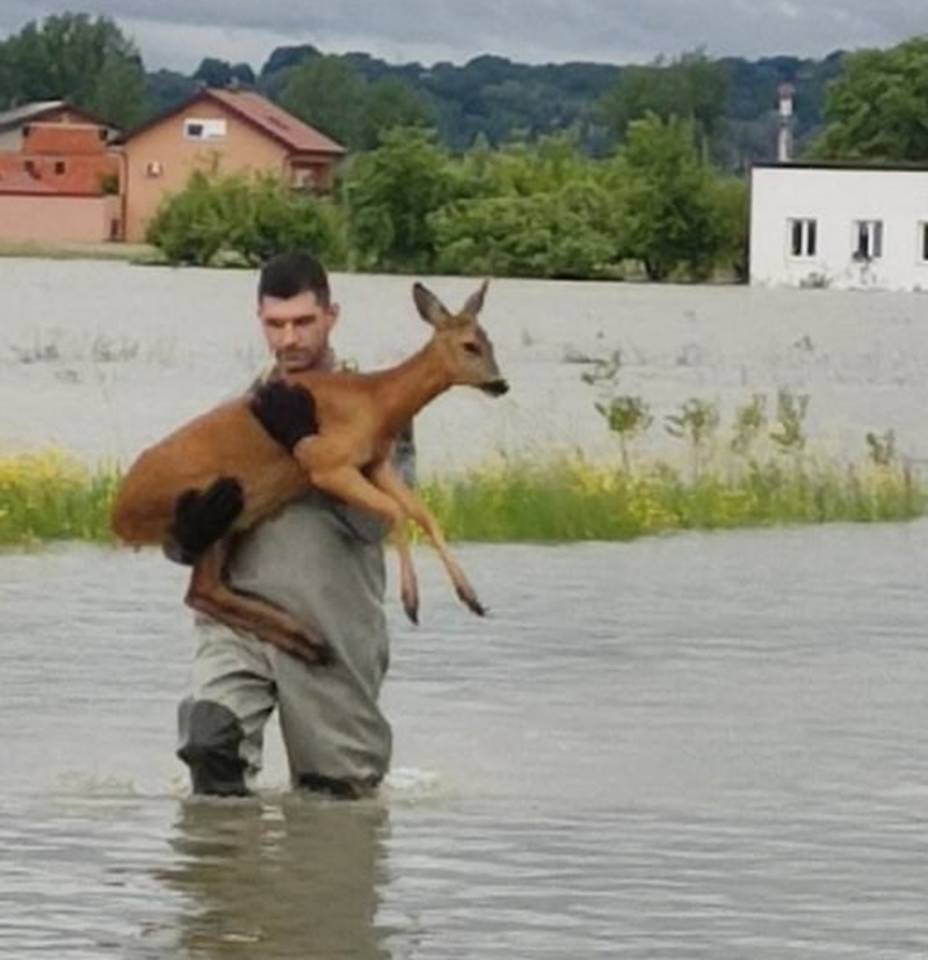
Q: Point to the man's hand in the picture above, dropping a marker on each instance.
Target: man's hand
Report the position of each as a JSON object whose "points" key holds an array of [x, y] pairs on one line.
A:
{"points": [[287, 413]]}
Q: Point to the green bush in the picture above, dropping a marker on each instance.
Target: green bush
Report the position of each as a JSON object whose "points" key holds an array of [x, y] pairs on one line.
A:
{"points": [[540, 235], [251, 217]]}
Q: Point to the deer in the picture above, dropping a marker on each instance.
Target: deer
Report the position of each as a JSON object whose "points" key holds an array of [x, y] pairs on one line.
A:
{"points": [[228, 460]]}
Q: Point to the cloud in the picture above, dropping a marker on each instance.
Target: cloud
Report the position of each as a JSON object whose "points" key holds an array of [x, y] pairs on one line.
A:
{"points": [[177, 33]]}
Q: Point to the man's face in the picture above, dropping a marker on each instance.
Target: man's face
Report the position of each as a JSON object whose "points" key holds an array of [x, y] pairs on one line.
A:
{"points": [[296, 329]]}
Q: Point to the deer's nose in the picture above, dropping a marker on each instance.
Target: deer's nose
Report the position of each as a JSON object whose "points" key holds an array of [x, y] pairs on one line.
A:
{"points": [[496, 388]]}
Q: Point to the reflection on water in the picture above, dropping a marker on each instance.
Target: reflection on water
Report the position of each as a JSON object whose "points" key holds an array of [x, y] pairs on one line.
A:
{"points": [[298, 879]]}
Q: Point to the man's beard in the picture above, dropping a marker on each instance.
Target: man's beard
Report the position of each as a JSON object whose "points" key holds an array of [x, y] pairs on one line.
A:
{"points": [[299, 360], [293, 361]]}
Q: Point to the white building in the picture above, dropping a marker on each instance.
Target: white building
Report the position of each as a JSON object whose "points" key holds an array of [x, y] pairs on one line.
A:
{"points": [[840, 226]]}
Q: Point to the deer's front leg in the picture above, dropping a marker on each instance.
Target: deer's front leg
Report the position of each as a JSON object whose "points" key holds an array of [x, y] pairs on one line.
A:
{"points": [[351, 486], [388, 479]]}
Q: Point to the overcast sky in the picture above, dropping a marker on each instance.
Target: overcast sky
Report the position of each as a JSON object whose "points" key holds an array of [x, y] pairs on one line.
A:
{"points": [[178, 33]]}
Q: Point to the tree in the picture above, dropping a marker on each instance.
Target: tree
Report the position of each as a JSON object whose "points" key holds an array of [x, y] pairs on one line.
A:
{"points": [[119, 93], [548, 234], [327, 93], [390, 193], [666, 198], [71, 56], [731, 210], [693, 88], [388, 104], [878, 108], [221, 73], [253, 217]]}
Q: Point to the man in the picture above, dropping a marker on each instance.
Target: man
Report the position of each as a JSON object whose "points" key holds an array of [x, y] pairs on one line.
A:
{"points": [[323, 562]]}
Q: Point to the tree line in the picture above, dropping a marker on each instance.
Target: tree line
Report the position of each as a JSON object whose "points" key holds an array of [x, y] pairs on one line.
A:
{"points": [[865, 105]]}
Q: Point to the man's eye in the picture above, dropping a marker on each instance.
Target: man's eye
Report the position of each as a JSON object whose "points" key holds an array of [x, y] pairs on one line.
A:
{"points": [[472, 348]]}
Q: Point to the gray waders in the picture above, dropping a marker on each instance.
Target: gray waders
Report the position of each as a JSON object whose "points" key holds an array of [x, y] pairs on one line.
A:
{"points": [[324, 563]]}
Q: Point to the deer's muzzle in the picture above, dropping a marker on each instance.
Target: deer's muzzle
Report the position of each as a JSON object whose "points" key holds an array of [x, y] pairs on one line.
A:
{"points": [[495, 388]]}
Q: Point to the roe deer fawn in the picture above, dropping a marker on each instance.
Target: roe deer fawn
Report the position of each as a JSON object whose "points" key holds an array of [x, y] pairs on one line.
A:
{"points": [[227, 454]]}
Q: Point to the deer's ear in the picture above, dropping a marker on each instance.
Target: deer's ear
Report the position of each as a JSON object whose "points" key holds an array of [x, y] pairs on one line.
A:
{"points": [[430, 308], [475, 301]]}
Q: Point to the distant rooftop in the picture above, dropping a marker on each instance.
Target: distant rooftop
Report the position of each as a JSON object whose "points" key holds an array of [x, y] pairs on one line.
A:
{"points": [[28, 111], [39, 109], [260, 112]]}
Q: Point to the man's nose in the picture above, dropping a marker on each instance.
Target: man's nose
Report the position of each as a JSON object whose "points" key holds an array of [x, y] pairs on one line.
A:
{"points": [[289, 335]]}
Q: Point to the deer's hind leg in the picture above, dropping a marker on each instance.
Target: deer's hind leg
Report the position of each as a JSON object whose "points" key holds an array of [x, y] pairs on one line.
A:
{"points": [[207, 593]]}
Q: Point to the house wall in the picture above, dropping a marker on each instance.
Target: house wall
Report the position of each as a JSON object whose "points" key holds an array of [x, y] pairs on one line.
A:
{"points": [[51, 218], [242, 149], [87, 174], [836, 198], [12, 138]]}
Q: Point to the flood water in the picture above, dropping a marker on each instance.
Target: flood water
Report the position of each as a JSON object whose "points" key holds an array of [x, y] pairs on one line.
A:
{"points": [[104, 358], [695, 746]]}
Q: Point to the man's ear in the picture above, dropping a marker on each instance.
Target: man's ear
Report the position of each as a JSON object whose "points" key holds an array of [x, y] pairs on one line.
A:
{"points": [[333, 312], [430, 308]]}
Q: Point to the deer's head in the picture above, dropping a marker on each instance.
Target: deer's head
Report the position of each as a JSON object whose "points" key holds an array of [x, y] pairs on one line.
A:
{"points": [[461, 342]]}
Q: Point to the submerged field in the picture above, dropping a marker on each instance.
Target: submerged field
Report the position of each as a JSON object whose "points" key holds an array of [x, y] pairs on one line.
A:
{"points": [[634, 410]]}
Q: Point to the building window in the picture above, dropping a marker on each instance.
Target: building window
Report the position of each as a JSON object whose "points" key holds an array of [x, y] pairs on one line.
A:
{"points": [[868, 239], [206, 129], [923, 242], [60, 167], [803, 237]]}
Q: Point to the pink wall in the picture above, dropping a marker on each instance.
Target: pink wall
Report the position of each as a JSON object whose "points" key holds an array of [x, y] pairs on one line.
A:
{"points": [[57, 219]]}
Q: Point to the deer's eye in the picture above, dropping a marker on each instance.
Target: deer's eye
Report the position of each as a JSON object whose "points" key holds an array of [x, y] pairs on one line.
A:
{"points": [[472, 348]]}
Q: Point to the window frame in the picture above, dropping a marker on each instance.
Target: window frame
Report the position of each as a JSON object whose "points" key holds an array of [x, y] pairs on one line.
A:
{"points": [[210, 128], [874, 232], [807, 237]]}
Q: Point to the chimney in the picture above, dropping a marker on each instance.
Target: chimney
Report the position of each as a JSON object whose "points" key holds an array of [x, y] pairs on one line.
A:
{"points": [[786, 92]]}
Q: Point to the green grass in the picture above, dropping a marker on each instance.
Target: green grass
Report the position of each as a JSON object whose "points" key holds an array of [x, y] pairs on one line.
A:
{"points": [[569, 500], [50, 496], [78, 251]]}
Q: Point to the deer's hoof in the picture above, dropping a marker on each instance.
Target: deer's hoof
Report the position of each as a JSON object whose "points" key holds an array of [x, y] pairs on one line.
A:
{"points": [[411, 606], [469, 599]]}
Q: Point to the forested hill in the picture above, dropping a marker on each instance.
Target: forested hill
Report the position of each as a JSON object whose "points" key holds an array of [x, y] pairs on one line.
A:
{"points": [[356, 97], [494, 99]]}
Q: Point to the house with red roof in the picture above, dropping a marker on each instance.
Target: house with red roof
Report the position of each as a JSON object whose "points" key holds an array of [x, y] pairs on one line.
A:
{"points": [[59, 182], [228, 131]]}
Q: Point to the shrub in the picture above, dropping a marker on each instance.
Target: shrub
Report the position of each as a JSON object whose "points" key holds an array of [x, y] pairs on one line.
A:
{"points": [[252, 217]]}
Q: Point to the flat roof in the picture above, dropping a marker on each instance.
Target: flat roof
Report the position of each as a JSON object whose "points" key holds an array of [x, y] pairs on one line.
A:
{"points": [[842, 165]]}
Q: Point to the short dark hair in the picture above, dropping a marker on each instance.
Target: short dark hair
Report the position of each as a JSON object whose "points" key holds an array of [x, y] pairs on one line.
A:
{"points": [[292, 273]]}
